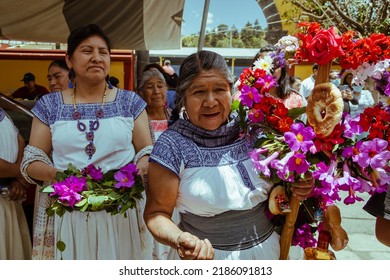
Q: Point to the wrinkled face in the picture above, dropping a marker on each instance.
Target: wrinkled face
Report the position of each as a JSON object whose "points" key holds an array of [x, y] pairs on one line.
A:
{"points": [[58, 78], [154, 92], [296, 85], [208, 100], [90, 60]]}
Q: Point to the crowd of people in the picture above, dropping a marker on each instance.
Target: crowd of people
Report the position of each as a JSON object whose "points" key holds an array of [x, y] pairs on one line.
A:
{"points": [[186, 142]]}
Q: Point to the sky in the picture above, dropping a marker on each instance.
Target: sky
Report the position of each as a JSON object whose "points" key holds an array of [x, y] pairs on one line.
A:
{"points": [[229, 12]]}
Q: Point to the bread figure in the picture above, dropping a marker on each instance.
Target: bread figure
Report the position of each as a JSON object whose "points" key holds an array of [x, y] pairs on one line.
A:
{"points": [[278, 202], [332, 223], [324, 108]]}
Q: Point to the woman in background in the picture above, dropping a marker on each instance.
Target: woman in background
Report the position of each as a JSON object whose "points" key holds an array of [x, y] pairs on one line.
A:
{"points": [[58, 75], [15, 242]]}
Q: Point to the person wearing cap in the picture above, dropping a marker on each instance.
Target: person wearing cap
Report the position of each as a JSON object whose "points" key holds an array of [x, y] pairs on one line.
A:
{"points": [[30, 90]]}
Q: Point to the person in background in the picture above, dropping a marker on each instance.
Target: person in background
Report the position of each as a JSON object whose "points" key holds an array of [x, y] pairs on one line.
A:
{"points": [[307, 84], [58, 137], [153, 89], [334, 77], [168, 67], [15, 241], [30, 90], [58, 75], [295, 83], [347, 91], [170, 81], [261, 53], [114, 81], [379, 206], [363, 99], [201, 166]]}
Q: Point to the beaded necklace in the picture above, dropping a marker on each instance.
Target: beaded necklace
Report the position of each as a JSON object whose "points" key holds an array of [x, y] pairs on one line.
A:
{"points": [[90, 148]]}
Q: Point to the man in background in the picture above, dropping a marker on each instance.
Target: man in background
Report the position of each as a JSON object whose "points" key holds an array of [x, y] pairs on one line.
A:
{"points": [[30, 90], [307, 84]]}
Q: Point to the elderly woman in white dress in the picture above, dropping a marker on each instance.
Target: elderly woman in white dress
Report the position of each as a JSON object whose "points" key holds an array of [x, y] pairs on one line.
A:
{"points": [[200, 165]]}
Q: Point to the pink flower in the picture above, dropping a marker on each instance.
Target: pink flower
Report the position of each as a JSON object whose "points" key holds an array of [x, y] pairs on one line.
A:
{"points": [[125, 176], [249, 95], [69, 189], [95, 173], [298, 163], [301, 137]]}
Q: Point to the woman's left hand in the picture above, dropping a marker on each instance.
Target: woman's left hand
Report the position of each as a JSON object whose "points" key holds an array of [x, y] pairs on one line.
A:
{"points": [[302, 188]]}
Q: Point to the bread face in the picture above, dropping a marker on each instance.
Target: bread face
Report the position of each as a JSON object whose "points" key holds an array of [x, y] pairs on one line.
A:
{"points": [[278, 202], [324, 108]]}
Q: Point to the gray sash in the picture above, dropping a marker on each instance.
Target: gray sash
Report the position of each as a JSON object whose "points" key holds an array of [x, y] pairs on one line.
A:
{"points": [[231, 230]]}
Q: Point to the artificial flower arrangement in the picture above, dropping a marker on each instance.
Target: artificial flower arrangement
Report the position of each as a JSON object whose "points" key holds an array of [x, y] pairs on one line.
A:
{"points": [[352, 157], [90, 189]]}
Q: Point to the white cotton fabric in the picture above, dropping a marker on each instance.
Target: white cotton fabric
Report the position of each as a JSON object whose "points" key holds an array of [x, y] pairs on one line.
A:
{"points": [[267, 250], [116, 237], [108, 157], [15, 243], [213, 190]]}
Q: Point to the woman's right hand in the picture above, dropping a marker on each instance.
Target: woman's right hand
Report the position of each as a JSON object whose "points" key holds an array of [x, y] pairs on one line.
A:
{"points": [[17, 190], [190, 247]]}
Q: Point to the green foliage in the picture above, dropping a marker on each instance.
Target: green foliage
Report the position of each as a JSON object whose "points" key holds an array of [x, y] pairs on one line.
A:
{"points": [[363, 16], [98, 195], [223, 36]]}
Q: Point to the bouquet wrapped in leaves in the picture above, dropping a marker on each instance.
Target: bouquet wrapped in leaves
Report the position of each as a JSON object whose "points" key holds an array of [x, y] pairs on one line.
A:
{"points": [[90, 189]]}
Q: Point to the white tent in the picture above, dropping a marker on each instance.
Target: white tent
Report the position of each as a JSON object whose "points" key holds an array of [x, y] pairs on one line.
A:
{"points": [[130, 24]]}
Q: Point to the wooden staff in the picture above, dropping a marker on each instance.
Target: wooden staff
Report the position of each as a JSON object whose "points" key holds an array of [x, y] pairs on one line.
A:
{"points": [[288, 228], [289, 225]]}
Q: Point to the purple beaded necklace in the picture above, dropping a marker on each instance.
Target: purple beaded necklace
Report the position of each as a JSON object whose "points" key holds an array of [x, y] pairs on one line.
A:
{"points": [[90, 148]]}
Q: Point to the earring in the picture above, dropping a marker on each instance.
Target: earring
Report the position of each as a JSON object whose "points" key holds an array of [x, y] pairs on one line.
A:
{"points": [[110, 86], [70, 76]]}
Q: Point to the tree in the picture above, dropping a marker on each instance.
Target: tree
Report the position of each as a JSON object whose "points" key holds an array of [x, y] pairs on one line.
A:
{"points": [[363, 16]]}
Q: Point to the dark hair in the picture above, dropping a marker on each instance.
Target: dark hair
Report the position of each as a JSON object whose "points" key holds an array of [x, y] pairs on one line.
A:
{"points": [[190, 69], [315, 66], [293, 79], [283, 88], [344, 80], [59, 63], [80, 34], [267, 48], [114, 81]]}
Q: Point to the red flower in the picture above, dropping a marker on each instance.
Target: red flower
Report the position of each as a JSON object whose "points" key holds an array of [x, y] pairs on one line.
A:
{"points": [[318, 45]]}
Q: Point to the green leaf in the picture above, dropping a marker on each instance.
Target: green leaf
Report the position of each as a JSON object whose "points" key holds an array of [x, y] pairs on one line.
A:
{"points": [[96, 201], [81, 202], [235, 105], [61, 245], [50, 211], [48, 189], [296, 112], [60, 211]]}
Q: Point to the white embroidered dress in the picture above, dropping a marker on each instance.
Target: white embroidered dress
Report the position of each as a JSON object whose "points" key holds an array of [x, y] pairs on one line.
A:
{"points": [[213, 181], [95, 235], [15, 242]]}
